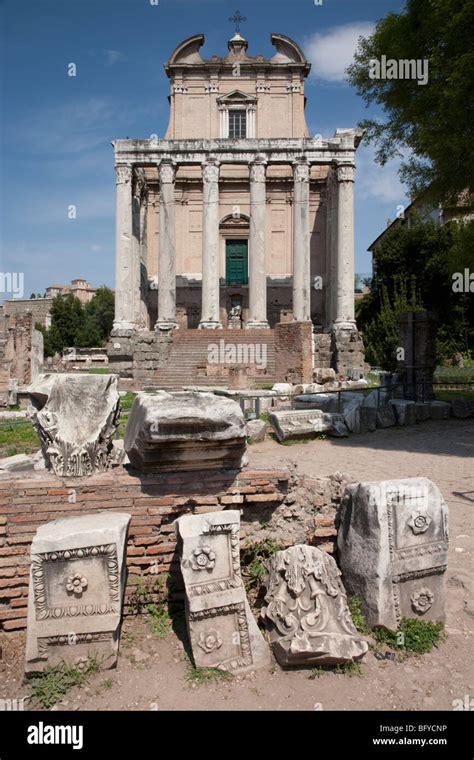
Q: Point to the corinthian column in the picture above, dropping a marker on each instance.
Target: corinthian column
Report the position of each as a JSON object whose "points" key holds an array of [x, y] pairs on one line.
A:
{"points": [[257, 262], [126, 286], [344, 295], [301, 244], [167, 251], [210, 317]]}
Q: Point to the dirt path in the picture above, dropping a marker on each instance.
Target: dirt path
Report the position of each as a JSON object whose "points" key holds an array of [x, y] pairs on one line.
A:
{"points": [[153, 673]]}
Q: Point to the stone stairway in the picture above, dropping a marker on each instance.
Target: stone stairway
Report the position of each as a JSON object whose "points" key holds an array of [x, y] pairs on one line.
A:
{"points": [[205, 357]]}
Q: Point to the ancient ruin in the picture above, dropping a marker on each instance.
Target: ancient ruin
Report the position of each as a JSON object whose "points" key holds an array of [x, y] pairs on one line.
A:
{"points": [[307, 616], [222, 629], [393, 544], [76, 417], [185, 431], [76, 591]]}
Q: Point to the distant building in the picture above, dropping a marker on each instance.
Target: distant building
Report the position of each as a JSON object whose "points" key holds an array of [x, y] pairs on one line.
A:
{"points": [[79, 288]]}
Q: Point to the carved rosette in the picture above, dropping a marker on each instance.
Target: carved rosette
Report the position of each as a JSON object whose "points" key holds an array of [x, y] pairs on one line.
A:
{"points": [[209, 640], [346, 173], [167, 172], [419, 522], [422, 600], [301, 172], [203, 558], [123, 174], [210, 172], [258, 171]]}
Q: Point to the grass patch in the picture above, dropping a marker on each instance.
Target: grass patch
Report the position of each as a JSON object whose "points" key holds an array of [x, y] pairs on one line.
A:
{"points": [[412, 637], [448, 395], [50, 686], [126, 401], [343, 669], [159, 619], [294, 441], [252, 560], [18, 438], [99, 371], [263, 386], [201, 676], [264, 416], [358, 617]]}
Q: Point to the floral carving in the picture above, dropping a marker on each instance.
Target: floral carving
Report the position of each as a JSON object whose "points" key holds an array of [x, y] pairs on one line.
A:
{"points": [[209, 640], [419, 522], [76, 584], [422, 600], [203, 558]]}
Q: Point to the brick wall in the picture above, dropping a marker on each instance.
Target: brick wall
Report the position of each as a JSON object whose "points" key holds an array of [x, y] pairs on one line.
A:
{"points": [[294, 352], [154, 503]]}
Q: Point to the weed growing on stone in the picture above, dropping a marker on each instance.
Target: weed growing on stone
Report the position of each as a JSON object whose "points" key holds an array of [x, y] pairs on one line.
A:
{"points": [[252, 560], [48, 687], [418, 636], [358, 617]]}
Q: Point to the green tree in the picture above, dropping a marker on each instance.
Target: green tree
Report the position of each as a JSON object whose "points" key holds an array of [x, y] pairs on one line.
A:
{"points": [[435, 121], [73, 324], [99, 312], [427, 256]]}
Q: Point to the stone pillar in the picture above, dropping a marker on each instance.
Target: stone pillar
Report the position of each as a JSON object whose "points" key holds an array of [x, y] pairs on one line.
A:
{"points": [[126, 285], [301, 244], [139, 202], [344, 296], [257, 261], [167, 251], [210, 317]]}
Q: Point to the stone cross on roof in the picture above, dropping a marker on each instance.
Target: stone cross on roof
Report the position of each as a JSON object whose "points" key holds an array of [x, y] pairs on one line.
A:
{"points": [[237, 19]]}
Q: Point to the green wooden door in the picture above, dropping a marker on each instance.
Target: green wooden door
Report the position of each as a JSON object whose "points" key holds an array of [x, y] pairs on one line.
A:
{"points": [[237, 271]]}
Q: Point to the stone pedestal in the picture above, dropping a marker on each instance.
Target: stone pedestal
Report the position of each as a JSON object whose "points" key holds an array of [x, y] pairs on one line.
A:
{"points": [[187, 430], [393, 549], [221, 627], [77, 582]]}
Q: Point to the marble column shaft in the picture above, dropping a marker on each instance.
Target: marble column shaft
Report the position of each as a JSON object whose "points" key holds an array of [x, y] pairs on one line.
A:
{"points": [[210, 316], [125, 269], [257, 256], [301, 244], [344, 292], [167, 250]]}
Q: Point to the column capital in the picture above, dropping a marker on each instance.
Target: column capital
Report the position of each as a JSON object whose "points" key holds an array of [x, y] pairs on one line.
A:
{"points": [[210, 170], [123, 174], [167, 172], [301, 170], [258, 169], [345, 172]]}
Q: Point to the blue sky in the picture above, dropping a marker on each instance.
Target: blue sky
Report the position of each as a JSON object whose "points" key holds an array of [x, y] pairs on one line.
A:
{"points": [[56, 134]]}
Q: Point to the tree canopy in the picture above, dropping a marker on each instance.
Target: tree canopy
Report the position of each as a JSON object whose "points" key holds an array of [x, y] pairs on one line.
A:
{"points": [[75, 324], [434, 121]]}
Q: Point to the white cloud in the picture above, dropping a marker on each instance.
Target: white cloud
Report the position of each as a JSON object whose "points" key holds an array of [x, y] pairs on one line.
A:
{"points": [[331, 52], [379, 182], [112, 56]]}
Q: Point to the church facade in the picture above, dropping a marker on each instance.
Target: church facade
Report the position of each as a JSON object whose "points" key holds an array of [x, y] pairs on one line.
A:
{"points": [[238, 218]]}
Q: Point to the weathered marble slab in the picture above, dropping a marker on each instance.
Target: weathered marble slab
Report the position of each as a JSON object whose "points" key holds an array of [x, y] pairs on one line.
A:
{"points": [[423, 411], [440, 410], [385, 416], [76, 416], [405, 411], [462, 407], [221, 627], [77, 582], [299, 423], [393, 545], [307, 615], [185, 431]]}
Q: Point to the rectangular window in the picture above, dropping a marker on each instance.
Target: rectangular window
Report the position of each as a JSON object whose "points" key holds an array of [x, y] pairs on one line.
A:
{"points": [[237, 124]]}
